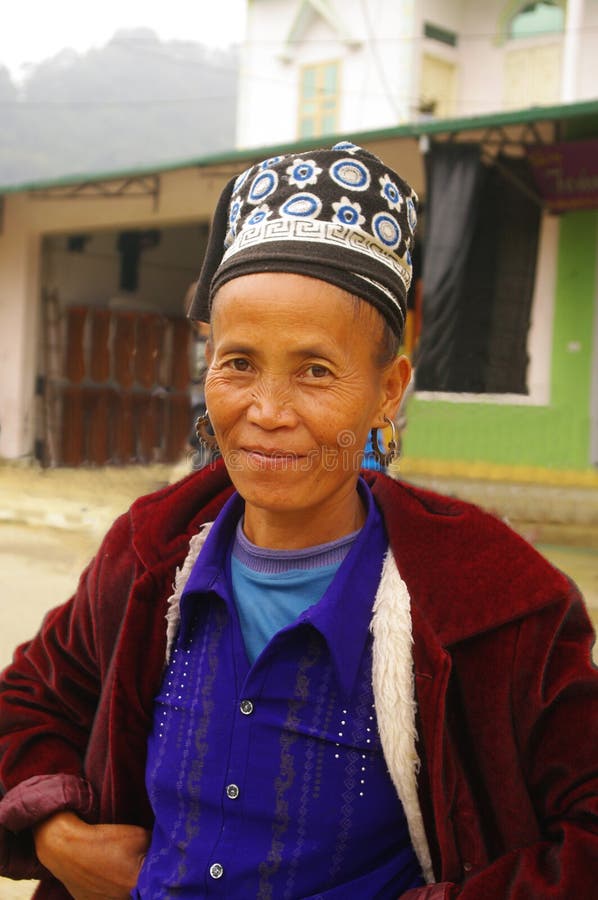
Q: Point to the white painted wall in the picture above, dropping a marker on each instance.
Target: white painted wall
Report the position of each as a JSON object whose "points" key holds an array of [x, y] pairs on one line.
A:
{"points": [[19, 268], [481, 59], [376, 76], [587, 83], [379, 76], [267, 85], [539, 338], [91, 277]]}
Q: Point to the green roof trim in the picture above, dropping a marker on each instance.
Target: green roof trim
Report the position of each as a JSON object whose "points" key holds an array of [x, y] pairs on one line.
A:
{"points": [[566, 112]]}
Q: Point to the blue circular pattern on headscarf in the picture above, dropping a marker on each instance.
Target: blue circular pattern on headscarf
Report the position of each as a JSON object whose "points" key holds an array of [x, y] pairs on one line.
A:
{"points": [[270, 162], [350, 173], [391, 193], [263, 185], [241, 179], [259, 215], [234, 213], [348, 213], [301, 206], [387, 230], [346, 146], [302, 172], [411, 214]]}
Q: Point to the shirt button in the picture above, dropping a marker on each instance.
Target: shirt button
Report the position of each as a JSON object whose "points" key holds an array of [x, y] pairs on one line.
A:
{"points": [[246, 707], [232, 791], [216, 870]]}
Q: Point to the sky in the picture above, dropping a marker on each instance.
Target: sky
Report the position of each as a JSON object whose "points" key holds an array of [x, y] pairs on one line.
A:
{"points": [[33, 30]]}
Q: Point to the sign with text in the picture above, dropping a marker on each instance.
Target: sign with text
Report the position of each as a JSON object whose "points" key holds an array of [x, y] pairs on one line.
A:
{"points": [[566, 174]]}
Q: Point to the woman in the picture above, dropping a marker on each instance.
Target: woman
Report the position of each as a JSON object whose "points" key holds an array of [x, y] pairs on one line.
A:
{"points": [[361, 690]]}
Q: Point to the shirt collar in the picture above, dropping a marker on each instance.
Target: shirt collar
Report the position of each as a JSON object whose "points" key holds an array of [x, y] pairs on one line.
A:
{"points": [[344, 613], [209, 572]]}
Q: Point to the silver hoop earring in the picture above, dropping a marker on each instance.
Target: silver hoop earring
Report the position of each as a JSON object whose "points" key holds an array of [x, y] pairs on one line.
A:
{"points": [[385, 457], [205, 432]]}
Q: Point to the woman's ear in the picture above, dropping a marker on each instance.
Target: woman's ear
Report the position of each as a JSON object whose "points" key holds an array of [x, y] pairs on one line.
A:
{"points": [[395, 381]]}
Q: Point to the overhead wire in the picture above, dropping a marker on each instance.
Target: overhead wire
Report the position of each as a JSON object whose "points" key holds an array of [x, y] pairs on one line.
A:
{"points": [[164, 52], [372, 41]]}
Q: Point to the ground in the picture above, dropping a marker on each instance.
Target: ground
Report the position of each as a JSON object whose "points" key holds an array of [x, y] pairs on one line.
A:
{"points": [[52, 521]]}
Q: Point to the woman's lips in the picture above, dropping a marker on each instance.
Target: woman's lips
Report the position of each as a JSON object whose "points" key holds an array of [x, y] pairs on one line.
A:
{"points": [[263, 458]]}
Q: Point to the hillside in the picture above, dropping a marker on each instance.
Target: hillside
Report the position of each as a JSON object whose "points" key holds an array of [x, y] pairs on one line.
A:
{"points": [[135, 101]]}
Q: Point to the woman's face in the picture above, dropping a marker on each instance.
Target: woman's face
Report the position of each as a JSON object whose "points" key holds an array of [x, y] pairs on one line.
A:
{"points": [[293, 388]]}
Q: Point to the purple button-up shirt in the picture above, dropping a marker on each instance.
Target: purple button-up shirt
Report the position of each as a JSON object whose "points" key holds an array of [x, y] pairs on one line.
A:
{"points": [[268, 780]]}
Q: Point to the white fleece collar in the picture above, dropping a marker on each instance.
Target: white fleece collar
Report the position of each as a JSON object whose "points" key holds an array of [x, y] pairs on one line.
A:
{"points": [[392, 678], [394, 697], [173, 615]]}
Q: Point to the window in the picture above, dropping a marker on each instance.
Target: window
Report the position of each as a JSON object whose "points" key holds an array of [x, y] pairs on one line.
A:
{"points": [[533, 57], [442, 35], [498, 286], [532, 76], [319, 99], [479, 273], [536, 19], [438, 87]]}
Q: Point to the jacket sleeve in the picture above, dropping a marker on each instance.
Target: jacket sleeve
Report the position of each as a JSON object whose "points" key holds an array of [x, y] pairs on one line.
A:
{"points": [[48, 698], [554, 707], [555, 711]]}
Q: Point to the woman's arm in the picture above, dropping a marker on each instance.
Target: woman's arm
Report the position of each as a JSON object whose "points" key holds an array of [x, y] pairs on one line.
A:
{"points": [[93, 862], [554, 697], [48, 700]]}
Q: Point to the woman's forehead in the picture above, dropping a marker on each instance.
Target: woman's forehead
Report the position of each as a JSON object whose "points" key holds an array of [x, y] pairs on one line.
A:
{"points": [[281, 295], [289, 305], [272, 294]]}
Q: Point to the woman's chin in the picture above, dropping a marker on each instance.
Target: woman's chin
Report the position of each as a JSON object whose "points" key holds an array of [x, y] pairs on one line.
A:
{"points": [[270, 487], [289, 489]]}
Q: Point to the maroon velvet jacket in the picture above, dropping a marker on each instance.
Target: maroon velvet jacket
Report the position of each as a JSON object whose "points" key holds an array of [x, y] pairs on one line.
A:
{"points": [[506, 691]]}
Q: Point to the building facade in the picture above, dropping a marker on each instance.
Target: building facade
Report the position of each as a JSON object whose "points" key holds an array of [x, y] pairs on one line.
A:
{"points": [[516, 391], [322, 67], [95, 349]]}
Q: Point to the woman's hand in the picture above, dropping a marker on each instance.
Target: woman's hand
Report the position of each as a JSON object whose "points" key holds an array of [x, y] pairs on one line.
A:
{"points": [[93, 862]]}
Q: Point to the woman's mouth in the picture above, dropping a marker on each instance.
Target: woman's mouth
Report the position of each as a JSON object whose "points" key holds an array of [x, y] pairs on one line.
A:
{"points": [[261, 458]]}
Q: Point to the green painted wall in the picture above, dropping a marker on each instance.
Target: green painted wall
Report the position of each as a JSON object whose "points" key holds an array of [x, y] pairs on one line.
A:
{"points": [[555, 436]]}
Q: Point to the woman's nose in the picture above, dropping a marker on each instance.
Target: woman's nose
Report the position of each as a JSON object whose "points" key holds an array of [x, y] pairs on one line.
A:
{"points": [[271, 406]]}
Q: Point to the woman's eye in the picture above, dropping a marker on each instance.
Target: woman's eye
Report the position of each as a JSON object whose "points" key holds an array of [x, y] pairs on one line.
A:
{"points": [[317, 371], [239, 364]]}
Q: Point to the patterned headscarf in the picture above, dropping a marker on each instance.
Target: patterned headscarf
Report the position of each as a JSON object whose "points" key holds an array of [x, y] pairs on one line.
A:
{"points": [[339, 215]]}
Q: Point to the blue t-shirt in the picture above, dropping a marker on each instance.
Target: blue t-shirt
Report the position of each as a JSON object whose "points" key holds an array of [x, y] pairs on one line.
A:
{"points": [[271, 588]]}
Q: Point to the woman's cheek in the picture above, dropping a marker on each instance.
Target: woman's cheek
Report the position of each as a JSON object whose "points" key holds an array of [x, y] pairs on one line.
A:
{"points": [[225, 399], [219, 386]]}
